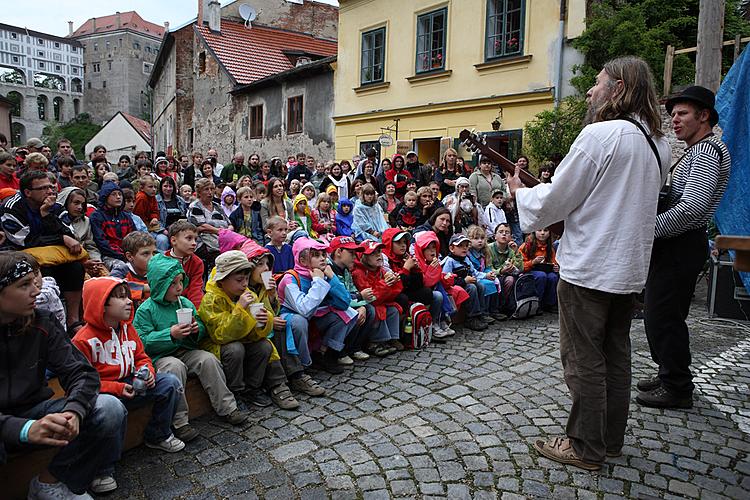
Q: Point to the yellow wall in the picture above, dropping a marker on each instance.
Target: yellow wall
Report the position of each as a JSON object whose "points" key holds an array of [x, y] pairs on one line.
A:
{"points": [[465, 96]]}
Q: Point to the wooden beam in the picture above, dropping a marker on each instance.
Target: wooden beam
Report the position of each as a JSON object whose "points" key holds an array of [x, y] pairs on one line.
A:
{"points": [[710, 43], [668, 61], [737, 47], [727, 43]]}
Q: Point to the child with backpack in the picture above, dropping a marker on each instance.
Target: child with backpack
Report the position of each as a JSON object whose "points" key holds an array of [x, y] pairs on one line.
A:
{"points": [[539, 260], [311, 294], [386, 286]]}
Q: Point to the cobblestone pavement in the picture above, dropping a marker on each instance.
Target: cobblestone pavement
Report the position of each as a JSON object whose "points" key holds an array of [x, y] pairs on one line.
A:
{"points": [[458, 420]]}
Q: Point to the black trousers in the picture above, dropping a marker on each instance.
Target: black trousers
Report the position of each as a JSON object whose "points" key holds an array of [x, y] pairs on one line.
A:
{"points": [[675, 265]]}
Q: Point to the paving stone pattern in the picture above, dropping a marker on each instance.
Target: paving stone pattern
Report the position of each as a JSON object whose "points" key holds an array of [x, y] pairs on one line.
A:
{"points": [[458, 420]]}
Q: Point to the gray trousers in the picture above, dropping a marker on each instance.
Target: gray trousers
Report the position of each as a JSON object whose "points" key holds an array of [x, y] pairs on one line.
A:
{"points": [[207, 368], [595, 353], [290, 362], [246, 366]]}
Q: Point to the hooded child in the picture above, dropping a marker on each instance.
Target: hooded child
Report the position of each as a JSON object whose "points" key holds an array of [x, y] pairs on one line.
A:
{"points": [[174, 347], [228, 200], [369, 220], [313, 294], [110, 224], [386, 287], [113, 347], [301, 209], [72, 201], [344, 218], [238, 334]]}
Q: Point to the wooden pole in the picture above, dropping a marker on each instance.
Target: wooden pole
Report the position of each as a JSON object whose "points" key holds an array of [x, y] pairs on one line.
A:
{"points": [[710, 42], [737, 47], [668, 61]]}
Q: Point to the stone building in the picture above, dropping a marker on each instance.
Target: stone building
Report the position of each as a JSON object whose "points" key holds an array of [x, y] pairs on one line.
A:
{"points": [[42, 75], [267, 87], [119, 53]]}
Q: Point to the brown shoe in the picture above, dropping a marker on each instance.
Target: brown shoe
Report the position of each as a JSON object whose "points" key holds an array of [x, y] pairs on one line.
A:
{"points": [[560, 450], [283, 398], [307, 384], [614, 453]]}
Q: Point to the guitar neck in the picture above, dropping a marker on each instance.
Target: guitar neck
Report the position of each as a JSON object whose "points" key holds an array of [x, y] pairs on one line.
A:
{"points": [[508, 166]]}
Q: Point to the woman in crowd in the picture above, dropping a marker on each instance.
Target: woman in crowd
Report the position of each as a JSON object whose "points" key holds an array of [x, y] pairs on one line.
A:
{"points": [[338, 179], [368, 177], [441, 223], [448, 172], [388, 201], [275, 202], [485, 181], [172, 207]]}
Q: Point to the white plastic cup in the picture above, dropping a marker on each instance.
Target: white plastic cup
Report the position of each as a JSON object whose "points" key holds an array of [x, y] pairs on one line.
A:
{"points": [[266, 276], [184, 316], [255, 309]]}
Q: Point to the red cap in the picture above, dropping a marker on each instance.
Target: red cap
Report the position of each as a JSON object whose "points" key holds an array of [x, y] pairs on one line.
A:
{"points": [[344, 242], [369, 246]]}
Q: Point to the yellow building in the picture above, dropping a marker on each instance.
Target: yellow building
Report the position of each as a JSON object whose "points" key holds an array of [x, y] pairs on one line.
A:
{"points": [[434, 67]]}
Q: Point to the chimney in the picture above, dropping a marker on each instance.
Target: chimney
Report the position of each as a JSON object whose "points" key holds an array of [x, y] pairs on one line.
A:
{"points": [[70, 28], [214, 16], [202, 12], [119, 22], [93, 21], [166, 25]]}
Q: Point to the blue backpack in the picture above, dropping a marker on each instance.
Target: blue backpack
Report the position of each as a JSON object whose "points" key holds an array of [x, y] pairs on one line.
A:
{"points": [[525, 303]]}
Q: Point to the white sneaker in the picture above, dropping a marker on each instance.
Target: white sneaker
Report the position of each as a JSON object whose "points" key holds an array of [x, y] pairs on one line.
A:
{"points": [[103, 484], [360, 356], [52, 491], [445, 326], [170, 445], [346, 361], [439, 333]]}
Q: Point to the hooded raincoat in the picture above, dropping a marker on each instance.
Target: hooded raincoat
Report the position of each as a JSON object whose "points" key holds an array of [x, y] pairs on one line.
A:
{"points": [[155, 317], [344, 221], [368, 218]]}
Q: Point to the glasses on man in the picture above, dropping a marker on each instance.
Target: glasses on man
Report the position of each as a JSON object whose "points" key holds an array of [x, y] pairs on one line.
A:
{"points": [[46, 187]]}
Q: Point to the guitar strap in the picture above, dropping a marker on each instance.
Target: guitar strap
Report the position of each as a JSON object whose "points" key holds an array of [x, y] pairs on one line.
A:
{"points": [[648, 138]]}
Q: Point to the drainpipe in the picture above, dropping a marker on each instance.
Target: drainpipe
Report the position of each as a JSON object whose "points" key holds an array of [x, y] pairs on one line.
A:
{"points": [[561, 48]]}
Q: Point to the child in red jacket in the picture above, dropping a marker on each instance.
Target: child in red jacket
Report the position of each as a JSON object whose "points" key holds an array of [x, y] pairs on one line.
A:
{"points": [[147, 208], [386, 286], [113, 347]]}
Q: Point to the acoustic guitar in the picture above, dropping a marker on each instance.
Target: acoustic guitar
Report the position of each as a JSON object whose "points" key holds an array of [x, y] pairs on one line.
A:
{"points": [[478, 144]]}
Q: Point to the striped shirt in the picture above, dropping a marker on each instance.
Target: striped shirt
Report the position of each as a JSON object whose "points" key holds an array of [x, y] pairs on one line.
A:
{"points": [[698, 183]]}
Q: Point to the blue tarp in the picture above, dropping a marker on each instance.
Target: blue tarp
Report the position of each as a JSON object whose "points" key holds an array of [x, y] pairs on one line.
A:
{"points": [[733, 105]]}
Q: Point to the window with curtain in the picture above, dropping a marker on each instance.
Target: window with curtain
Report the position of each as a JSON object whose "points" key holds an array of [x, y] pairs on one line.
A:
{"points": [[504, 28], [431, 29]]}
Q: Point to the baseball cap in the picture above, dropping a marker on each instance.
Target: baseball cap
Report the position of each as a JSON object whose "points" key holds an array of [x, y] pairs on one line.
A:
{"points": [[401, 235], [369, 246], [230, 262], [496, 192], [411, 153], [346, 242], [34, 142], [457, 239]]}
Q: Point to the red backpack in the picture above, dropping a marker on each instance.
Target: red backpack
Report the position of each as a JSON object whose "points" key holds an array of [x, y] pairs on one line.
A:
{"points": [[418, 330]]}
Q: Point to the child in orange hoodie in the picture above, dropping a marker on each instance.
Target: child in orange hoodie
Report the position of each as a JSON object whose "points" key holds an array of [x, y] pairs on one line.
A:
{"points": [[114, 348], [539, 260], [147, 208]]}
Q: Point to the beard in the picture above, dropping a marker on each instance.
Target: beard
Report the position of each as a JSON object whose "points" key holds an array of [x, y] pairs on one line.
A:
{"points": [[593, 108]]}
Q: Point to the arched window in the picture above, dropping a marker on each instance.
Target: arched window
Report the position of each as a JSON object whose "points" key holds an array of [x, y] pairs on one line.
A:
{"points": [[17, 101], [57, 108], [45, 81], [76, 107], [19, 133], [12, 75], [76, 85], [41, 104]]}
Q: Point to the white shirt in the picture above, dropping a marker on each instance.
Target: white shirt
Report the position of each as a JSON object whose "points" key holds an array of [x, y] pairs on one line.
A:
{"points": [[606, 190]]}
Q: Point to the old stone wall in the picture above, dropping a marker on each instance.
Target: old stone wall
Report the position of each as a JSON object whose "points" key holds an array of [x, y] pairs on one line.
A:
{"points": [[317, 19]]}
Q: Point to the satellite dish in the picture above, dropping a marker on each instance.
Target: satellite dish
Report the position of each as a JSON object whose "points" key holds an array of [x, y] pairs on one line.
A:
{"points": [[248, 13]]}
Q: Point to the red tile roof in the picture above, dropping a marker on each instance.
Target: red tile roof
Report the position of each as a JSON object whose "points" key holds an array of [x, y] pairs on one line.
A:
{"points": [[128, 20], [141, 126], [252, 54]]}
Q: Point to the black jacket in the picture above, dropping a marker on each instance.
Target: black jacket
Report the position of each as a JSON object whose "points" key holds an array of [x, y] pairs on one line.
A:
{"points": [[24, 358], [25, 228]]}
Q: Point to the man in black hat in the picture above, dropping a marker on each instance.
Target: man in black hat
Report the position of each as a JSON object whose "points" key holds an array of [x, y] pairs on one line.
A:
{"points": [[680, 250]]}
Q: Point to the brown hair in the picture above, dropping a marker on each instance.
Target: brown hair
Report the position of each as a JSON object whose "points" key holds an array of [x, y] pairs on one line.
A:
{"points": [[137, 240], [180, 226], [638, 95]]}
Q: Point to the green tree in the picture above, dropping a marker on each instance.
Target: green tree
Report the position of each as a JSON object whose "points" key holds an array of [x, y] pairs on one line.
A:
{"points": [[551, 132], [79, 131]]}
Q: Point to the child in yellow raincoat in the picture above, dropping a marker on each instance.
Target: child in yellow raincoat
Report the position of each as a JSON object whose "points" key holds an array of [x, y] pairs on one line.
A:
{"points": [[238, 325]]}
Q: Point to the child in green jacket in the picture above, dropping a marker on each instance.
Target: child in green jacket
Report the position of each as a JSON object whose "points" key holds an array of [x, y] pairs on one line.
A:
{"points": [[174, 347]]}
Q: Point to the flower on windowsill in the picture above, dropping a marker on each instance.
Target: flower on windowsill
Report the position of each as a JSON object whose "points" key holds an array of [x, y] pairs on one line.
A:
{"points": [[513, 43]]}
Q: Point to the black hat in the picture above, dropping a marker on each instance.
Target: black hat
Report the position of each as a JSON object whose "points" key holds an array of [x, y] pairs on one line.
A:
{"points": [[699, 95]]}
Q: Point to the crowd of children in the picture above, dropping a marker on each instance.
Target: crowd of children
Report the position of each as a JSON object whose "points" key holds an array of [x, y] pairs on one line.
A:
{"points": [[247, 297]]}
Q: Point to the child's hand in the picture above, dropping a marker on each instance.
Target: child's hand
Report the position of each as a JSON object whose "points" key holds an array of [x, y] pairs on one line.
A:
{"points": [[279, 324], [317, 273], [361, 315], [435, 262], [245, 300], [538, 260], [328, 271], [390, 278], [368, 295], [262, 316], [128, 392], [556, 268], [471, 280], [179, 332], [410, 263], [151, 380], [491, 275], [193, 327], [513, 245]]}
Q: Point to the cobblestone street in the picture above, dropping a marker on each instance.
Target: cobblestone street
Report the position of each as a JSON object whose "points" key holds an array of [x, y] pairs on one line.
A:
{"points": [[458, 420]]}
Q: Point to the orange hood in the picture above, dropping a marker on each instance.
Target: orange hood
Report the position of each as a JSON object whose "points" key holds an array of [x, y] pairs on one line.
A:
{"points": [[96, 291]]}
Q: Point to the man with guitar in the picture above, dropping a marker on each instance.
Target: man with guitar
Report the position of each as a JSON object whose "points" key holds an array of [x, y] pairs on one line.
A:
{"points": [[606, 191]]}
